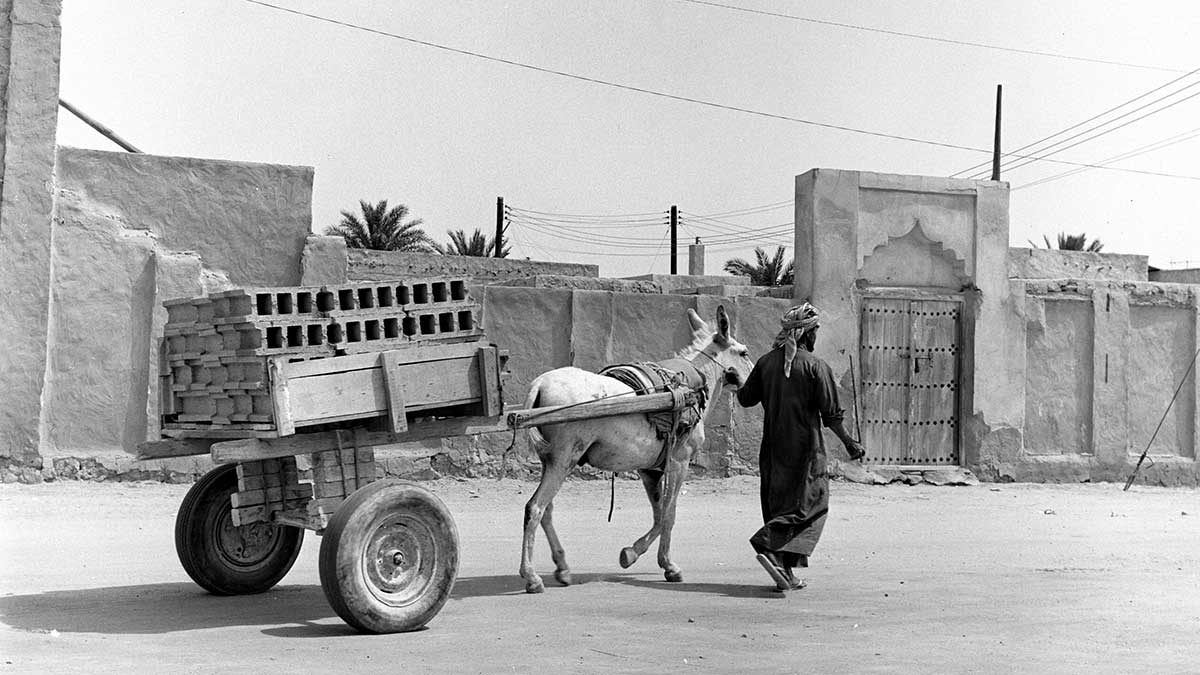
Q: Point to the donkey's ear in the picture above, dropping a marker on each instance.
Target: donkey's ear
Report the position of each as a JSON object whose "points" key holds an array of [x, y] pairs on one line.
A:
{"points": [[723, 327], [697, 323]]}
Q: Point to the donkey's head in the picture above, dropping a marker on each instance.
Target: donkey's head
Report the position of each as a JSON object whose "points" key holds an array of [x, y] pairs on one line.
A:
{"points": [[731, 355]]}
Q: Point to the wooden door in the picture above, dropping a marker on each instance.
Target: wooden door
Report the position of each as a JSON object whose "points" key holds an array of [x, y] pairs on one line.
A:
{"points": [[909, 351]]}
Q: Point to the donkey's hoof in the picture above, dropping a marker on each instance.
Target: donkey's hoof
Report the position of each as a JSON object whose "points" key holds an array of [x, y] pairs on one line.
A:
{"points": [[535, 586], [674, 577], [563, 577], [628, 557]]}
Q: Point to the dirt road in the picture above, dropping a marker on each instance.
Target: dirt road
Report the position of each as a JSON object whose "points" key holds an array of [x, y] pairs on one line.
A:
{"points": [[990, 579]]}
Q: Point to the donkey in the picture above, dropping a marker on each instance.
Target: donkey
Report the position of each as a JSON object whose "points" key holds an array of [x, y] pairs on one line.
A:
{"points": [[624, 443]]}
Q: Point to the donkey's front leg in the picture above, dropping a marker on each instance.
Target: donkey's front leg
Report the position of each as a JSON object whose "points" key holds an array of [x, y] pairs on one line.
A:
{"points": [[676, 472], [652, 481]]}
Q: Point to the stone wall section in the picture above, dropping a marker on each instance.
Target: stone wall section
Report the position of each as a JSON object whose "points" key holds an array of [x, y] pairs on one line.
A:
{"points": [[1040, 263]]}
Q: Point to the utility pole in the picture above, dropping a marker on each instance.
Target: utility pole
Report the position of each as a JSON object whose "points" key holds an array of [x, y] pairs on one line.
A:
{"points": [[996, 142], [674, 230], [499, 226]]}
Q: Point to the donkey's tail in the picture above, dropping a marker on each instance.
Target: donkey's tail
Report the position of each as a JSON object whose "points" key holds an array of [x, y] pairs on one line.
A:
{"points": [[531, 402]]}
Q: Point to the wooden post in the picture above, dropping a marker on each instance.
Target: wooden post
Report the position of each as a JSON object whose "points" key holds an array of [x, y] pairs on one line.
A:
{"points": [[674, 229], [996, 141], [104, 131], [499, 226]]}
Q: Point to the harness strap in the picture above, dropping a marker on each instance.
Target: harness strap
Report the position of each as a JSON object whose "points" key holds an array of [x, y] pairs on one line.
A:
{"points": [[687, 385]]}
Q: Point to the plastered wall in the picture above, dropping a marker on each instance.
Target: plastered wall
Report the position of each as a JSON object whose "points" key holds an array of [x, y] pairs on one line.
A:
{"points": [[131, 231], [547, 328], [30, 35], [1102, 362]]}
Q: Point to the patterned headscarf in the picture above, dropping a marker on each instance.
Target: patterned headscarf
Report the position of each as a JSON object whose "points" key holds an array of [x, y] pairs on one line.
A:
{"points": [[795, 323]]}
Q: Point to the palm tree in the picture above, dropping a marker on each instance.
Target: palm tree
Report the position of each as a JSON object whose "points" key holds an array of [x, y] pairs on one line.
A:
{"points": [[1073, 242], [766, 271], [382, 229], [476, 245]]}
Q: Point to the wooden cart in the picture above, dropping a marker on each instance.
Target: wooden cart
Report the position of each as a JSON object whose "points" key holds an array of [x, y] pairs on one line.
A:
{"points": [[389, 551], [306, 461]]}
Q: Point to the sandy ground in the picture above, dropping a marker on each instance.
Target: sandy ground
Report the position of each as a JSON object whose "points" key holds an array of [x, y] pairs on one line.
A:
{"points": [[990, 579]]}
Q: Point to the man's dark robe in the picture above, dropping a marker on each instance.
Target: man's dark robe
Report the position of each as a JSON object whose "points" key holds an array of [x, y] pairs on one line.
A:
{"points": [[791, 461]]}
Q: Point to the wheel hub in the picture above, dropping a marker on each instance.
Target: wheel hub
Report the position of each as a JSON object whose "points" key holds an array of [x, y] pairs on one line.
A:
{"points": [[399, 561], [247, 544]]}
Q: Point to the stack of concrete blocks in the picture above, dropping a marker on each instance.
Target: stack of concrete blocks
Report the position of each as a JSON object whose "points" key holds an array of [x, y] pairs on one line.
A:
{"points": [[305, 489], [216, 348]]}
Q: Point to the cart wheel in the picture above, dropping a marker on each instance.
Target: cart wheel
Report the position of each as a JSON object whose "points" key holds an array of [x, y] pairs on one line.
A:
{"points": [[389, 557], [223, 558]]}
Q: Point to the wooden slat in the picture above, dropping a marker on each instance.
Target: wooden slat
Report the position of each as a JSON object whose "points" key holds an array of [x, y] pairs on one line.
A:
{"points": [[173, 447], [389, 363], [362, 393], [280, 397], [489, 381], [418, 353], [249, 449]]}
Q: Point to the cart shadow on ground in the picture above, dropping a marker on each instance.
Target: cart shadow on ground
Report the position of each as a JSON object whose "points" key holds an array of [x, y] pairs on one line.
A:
{"points": [[290, 610], [160, 608]]}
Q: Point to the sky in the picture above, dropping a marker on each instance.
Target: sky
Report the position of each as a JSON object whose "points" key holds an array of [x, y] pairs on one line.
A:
{"points": [[592, 119]]}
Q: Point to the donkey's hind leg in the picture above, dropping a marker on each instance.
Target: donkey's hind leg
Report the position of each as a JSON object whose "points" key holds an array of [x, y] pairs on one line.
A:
{"points": [[562, 573], [555, 467], [652, 481]]}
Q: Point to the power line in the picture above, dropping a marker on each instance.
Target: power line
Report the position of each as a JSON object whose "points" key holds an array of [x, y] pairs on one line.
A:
{"points": [[611, 242], [616, 85], [1103, 133], [748, 210], [674, 97], [1079, 124], [581, 216], [917, 36], [1016, 164], [1157, 145]]}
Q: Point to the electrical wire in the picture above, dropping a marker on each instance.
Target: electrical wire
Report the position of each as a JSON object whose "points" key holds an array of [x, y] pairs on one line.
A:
{"points": [[1016, 164], [584, 238], [1157, 145], [674, 97], [574, 216], [1079, 124], [917, 36], [616, 85]]}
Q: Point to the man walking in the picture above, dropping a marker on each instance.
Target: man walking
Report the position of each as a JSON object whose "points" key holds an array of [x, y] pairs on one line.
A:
{"points": [[798, 395]]}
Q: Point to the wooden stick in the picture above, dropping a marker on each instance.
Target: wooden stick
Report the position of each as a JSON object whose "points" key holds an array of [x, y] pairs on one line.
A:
{"points": [[173, 447], [591, 410], [250, 449]]}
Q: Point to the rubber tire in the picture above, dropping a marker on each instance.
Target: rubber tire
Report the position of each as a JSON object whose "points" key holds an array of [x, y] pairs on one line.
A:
{"points": [[203, 515], [389, 557]]}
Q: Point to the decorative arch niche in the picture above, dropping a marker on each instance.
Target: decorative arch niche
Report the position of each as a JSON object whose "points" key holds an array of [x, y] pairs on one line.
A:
{"points": [[913, 259]]}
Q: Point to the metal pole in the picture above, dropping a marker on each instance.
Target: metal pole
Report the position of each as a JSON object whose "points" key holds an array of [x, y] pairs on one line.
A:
{"points": [[499, 225], [674, 240], [996, 141], [104, 131]]}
